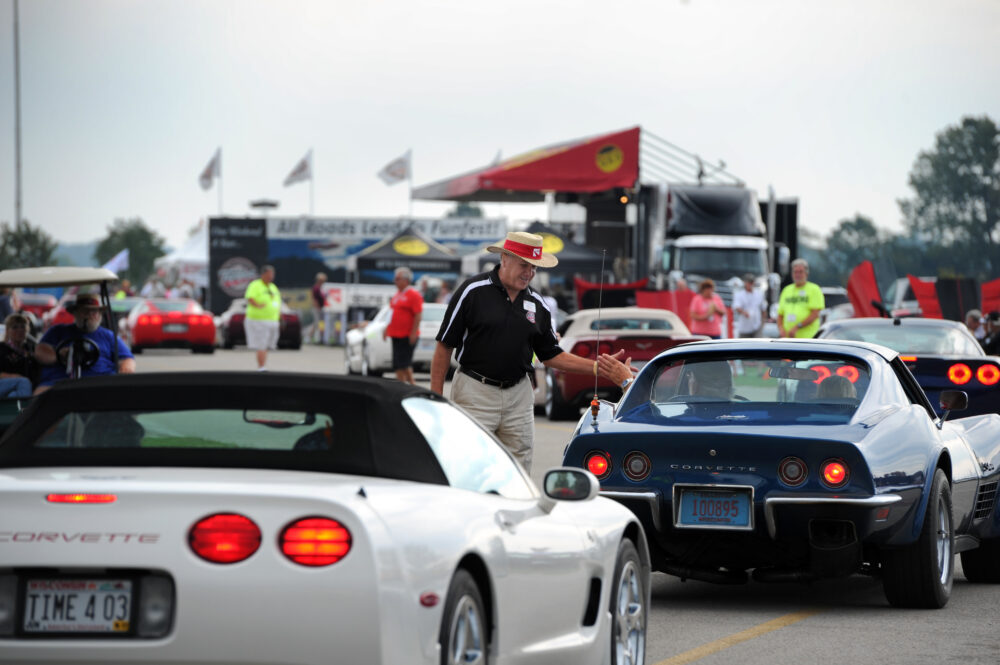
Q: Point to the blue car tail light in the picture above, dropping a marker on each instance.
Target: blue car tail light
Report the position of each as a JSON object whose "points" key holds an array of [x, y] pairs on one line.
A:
{"points": [[793, 471], [835, 473], [598, 463], [636, 466]]}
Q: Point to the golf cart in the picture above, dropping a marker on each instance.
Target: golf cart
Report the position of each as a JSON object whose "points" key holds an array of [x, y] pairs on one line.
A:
{"points": [[83, 353]]}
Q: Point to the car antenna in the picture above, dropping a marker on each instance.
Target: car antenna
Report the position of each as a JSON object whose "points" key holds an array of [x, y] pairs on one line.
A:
{"points": [[595, 404]]}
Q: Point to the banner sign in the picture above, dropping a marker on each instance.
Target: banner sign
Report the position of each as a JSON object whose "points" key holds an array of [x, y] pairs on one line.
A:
{"points": [[237, 248]]}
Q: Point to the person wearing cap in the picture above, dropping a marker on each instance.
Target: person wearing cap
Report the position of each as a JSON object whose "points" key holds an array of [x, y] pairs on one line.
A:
{"points": [[18, 368], [53, 349], [262, 323], [494, 323], [748, 306], [800, 304], [991, 341]]}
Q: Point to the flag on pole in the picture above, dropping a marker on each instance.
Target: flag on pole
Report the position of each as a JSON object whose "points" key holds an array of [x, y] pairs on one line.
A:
{"points": [[302, 170], [212, 171], [397, 170], [118, 262]]}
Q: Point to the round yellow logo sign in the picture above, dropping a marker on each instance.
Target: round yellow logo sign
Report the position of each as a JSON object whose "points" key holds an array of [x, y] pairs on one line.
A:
{"points": [[609, 158], [410, 246], [551, 244]]}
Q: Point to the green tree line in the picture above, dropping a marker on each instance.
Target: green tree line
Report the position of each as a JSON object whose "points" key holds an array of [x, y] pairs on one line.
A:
{"points": [[951, 224]]}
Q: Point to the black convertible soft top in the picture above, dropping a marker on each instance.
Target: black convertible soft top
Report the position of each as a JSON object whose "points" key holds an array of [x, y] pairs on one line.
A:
{"points": [[381, 439]]}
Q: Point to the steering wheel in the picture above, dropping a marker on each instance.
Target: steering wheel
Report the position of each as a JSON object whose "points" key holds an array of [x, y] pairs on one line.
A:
{"points": [[84, 352]]}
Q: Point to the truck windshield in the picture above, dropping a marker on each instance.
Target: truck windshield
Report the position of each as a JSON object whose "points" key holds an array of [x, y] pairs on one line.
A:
{"points": [[718, 260]]}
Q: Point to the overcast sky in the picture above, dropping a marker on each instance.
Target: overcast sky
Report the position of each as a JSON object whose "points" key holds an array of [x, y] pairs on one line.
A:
{"points": [[123, 103]]}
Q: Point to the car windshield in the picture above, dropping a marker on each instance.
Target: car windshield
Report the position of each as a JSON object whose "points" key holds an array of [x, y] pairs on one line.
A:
{"points": [[631, 323], [755, 389], [711, 260], [170, 305], [432, 314], [200, 428], [911, 338]]}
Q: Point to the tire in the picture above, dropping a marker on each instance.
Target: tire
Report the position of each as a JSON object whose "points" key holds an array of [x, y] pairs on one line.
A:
{"points": [[366, 368], [202, 349], [556, 408], [136, 350], [628, 608], [983, 563], [921, 575], [227, 342], [347, 362], [464, 635]]}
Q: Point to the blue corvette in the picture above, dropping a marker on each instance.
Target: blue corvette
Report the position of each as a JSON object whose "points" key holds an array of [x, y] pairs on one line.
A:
{"points": [[795, 460], [941, 355]]}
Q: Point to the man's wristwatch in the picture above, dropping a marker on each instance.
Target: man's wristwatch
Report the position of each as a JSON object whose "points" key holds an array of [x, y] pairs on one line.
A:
{"points": [[625, 384]]}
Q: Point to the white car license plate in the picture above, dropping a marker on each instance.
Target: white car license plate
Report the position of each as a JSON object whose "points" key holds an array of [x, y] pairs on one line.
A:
{"points": [[77, 606], [175, 328], [721, 508]]}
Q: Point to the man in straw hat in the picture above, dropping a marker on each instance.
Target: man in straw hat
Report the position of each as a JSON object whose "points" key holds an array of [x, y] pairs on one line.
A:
{"points": [[494, 323], [54, 347]]}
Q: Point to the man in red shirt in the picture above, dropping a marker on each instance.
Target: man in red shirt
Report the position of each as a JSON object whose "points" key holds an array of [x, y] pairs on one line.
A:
{"points": [[404, 326]]}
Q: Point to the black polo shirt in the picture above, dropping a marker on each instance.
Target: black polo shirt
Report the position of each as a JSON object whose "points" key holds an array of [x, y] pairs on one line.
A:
{"points": [[494, 336]]}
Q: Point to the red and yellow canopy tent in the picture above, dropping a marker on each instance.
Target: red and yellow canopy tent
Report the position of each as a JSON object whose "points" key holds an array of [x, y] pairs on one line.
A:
{"points": [[588, 165]]}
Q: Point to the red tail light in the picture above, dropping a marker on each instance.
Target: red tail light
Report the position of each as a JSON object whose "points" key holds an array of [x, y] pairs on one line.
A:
{"points": [[583, 349], [959, 374], [792, 471], [636, 466], [206, 320], [156, 319], [81, 498], [143, 320], [598, 463], [604, 347], [315, 541], [848, 372], [224, 538], [835, 473], [988, 375], [908, 359]]}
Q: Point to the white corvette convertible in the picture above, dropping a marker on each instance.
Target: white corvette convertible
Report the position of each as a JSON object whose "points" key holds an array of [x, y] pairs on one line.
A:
{"points": [[269, 518]]}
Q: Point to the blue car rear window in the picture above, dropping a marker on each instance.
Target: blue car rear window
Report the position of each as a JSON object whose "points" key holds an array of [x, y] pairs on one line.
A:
{"points": [[761, 390]]}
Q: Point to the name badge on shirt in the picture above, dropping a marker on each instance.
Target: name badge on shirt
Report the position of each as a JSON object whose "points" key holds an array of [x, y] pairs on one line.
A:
{"points": [[528, 305]]}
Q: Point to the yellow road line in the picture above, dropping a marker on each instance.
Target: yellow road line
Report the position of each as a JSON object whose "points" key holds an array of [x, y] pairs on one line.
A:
{"points": [[704, 650]]}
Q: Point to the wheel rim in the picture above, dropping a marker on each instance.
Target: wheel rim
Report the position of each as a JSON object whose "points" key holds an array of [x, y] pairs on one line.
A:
{"points": [[944, 555], [466, 634], [630, 618]]}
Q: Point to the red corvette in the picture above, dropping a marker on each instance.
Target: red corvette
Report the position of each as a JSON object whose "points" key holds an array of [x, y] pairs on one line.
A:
{"points": [[37, 303], [169, 324]]}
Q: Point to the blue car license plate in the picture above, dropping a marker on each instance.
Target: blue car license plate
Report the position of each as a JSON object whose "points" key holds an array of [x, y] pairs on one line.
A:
{"points": [[721, 508]]}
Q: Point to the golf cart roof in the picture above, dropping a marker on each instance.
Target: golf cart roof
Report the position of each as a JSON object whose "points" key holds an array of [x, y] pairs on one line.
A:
{"points": [[55, 276]]}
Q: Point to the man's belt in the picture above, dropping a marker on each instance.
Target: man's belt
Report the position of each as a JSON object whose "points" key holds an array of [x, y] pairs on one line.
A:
{"points": [[488, 381]]}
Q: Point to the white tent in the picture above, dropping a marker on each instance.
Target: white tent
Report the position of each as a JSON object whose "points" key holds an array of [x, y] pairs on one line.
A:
{"points": [[189, 262]]}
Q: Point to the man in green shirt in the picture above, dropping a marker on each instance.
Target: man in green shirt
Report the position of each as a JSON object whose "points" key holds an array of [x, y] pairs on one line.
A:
{"points": [[800, 304], [263, 317]]}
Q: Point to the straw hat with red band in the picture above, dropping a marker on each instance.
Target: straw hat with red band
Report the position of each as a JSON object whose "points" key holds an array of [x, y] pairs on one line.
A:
{"points": [[84, 301], [525, 246]]}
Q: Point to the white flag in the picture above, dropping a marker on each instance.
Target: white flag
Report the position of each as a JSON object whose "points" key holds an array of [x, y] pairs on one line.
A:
{"points": [[302, 171], [397, 170], [118, 262], [212, 171]]}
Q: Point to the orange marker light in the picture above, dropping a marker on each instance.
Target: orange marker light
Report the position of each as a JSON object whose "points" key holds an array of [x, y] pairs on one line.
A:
{"points": [[81, 498]]}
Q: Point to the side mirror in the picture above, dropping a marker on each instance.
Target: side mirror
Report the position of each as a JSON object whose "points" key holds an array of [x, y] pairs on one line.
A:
{"points": [[570, 484], [954, 400]]}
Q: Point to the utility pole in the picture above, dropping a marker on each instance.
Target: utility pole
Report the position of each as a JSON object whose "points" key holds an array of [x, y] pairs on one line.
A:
{"points": [[17, 122]]}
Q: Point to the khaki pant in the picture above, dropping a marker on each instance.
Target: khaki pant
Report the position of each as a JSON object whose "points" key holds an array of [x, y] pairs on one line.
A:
{"points": [[509, 413]]}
